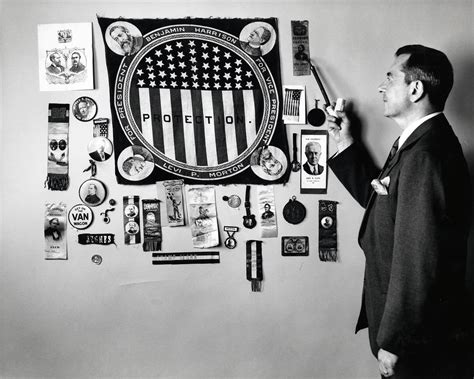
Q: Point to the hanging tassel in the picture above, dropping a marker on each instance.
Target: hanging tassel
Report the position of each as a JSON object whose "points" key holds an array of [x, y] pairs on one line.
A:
{"points": [[57, 182]]}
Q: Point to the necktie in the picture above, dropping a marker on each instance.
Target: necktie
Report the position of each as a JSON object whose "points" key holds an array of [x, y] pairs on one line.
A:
{"points": [[393, 152]]}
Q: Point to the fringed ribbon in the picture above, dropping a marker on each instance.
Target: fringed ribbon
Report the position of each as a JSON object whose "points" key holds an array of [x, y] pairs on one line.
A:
{"points": [[152, 235], [58, 147], [327, 231], [254, 264]]}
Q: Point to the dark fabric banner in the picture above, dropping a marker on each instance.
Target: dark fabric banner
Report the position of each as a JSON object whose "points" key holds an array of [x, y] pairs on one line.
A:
{"points": [[196, 99]]}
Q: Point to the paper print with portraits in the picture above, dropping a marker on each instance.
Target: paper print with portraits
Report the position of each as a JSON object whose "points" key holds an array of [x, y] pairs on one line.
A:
{"points": [[65, 57], [314, 153], [202, 216], [201, 95]]}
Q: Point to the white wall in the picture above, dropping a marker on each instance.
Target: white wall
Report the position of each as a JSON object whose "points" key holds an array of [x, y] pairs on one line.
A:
{"points": [[128, 318]]}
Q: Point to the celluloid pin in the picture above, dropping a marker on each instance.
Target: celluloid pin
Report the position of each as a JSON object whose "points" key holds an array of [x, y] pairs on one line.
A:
{"points": [[97, 259], [234, 201]]}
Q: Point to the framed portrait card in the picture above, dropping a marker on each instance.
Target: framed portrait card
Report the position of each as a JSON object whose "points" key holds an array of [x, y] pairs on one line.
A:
{"points": [[314, 152], [65, 58]]}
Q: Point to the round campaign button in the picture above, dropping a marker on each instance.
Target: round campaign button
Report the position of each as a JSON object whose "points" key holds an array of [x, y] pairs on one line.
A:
{"points": [[84, 108], [80, 216]]}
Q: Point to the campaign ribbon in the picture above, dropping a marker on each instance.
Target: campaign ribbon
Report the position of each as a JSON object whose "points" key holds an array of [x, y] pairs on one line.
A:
{"points": [[96, 239], [181, 258], [131, 219], [327, 231], [55, 231], [254, 264], [266, 206], [58, 147], [174, 202], [152, 235]]}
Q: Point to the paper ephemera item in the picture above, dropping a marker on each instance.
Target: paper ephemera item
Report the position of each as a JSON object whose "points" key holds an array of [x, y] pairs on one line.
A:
{"points": [[203, 216], [65, 57], [55, 231]]}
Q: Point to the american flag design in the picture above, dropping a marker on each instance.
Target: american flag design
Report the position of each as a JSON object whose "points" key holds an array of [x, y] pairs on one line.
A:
{"points": [[196, 100]]}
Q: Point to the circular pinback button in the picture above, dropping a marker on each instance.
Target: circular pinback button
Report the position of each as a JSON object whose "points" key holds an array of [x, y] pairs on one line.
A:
{"points": [[112, 202], [100, 149], [84, 108], [230, 243], [80, 216], [234, 201], [97, 259], [92, 192]]}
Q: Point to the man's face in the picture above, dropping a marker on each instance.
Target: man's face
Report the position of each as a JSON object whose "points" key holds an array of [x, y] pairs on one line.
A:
{"points": [[313, 152], [255, 37], [92, 189], [75, 59], [55, 59], [123, 39], [137, 166], [83, 109], [395, 92]]}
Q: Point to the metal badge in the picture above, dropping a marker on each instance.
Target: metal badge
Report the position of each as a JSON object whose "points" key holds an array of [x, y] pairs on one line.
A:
{"points": [[97, 259], [233, 201], [230, 241], [294, 212]]}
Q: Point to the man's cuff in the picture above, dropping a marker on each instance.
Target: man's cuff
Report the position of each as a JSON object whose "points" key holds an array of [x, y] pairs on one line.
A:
{"points": [[343, 145]]}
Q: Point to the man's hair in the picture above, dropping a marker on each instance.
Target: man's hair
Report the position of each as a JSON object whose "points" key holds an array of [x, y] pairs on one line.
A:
{"points": [[265, 35], [52, 55], [79, 55], [309, 144], [122, 28], [432, 68]]}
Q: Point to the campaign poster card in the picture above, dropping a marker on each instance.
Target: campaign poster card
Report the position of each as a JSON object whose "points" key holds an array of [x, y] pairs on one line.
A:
{"points": [[65, 57]]}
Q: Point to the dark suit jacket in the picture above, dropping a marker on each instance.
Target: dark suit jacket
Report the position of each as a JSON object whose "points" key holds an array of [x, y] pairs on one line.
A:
{"points": [[307, 169], [414, 240]]}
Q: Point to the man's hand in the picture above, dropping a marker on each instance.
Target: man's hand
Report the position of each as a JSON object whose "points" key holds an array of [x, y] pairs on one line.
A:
{"points": [[339, 129], [387, 362]]}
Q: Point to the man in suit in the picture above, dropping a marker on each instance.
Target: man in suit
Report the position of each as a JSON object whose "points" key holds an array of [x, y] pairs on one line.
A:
{"points": [[55, 67], [415, 228], [77, 65], [312, 151]]}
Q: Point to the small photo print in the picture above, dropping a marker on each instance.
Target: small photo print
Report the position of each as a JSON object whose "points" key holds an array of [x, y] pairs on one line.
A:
{"points": [[314, 152]]}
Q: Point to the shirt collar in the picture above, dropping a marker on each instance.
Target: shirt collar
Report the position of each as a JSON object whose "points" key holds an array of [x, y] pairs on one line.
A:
{"points": [[411, 128]]}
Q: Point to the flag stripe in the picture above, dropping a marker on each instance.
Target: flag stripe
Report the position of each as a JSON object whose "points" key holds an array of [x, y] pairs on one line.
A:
{"points": [[145, 109], [199, 124], [168, 136], [188, 127], [209, 130], [180, 151], [219, 127], [229, 125], [135, 106], [239, 119], [258, 105], [250, 120], [156, 121]]}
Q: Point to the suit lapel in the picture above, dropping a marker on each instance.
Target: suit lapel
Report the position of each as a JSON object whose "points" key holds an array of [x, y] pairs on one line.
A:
{"points": [[435, 121]]}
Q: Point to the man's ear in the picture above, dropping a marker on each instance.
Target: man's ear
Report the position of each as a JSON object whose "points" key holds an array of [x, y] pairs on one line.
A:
{"points": [[417, 91]]}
